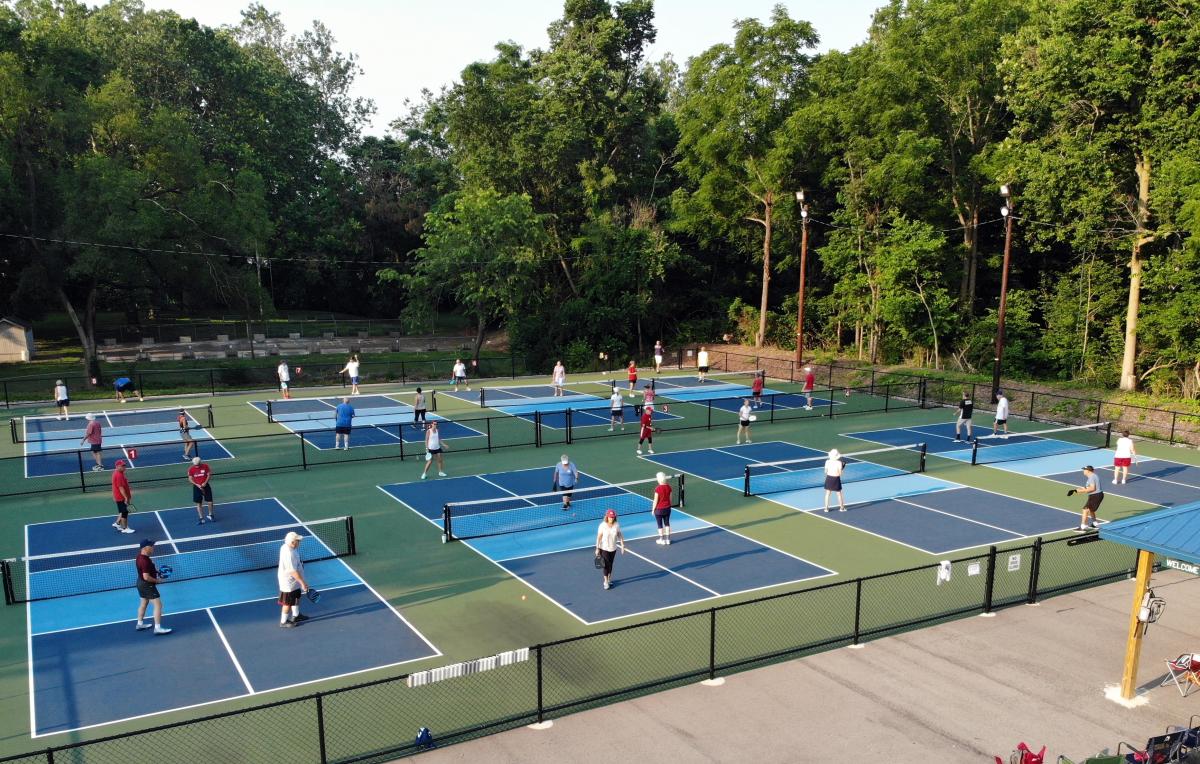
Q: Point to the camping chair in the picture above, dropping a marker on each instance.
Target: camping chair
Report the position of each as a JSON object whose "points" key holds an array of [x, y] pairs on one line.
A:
{"points": [[1182, 671], [1159, 749], [1191, 735], [1024, 755]]}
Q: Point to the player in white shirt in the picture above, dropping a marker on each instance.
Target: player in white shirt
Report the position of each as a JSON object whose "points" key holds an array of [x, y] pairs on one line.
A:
{"points": [[834, 466], [559, 378], [702, 363], [285, 378], [291, 581], [62, 399], [1001, 416], [616, 406], [460, 374], [744, 421], [351, 370], [1126, 455]]}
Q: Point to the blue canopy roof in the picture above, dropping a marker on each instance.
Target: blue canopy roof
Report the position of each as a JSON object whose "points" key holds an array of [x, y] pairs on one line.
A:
{"points": [[1174, 532]]}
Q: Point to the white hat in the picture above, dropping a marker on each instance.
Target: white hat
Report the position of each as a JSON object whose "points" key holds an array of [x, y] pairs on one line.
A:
{"points": [[195, 460], [662, 477], [833, 453], [566, 459], [90, 417], [292, 536]]}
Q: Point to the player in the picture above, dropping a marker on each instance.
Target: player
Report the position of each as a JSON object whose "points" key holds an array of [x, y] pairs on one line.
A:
{"points": [[419, 408], [966, 407], [1001, 415], [660, 507], [658, 356], [756, 388], [284, 374], [649, 394], [810, 381], [351, 370], [93, 438], [123, 496], [433, 450], [646, 433], [566, 475], [1124, 456], [62, 399], [123, 386], [608, 536], [702, 363], [616, 410], [632, 372], [834, 467], [744, 421], [343, 422], [291, 581], [200, 476], [185, 433], [147, 588], [558, 378], [459, 373], [1095, 492]]}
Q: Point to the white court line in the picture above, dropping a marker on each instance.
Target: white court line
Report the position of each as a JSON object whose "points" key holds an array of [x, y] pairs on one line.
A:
{"points": [[163, 524], [675, 573], [229, 649], [960, 517]]}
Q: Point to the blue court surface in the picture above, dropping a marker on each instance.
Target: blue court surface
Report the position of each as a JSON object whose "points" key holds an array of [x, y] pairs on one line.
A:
{"points": [[918, 511], [90, 667], [728, 395], [702, 562], [993, 449], [524, 400], [379, 420], [143, 438]]}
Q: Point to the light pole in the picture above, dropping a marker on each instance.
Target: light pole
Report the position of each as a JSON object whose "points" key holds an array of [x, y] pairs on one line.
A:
{"points": [[1006, 211], [803, 268]]}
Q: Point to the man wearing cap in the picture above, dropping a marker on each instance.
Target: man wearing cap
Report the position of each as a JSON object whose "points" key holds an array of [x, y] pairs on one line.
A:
{"points": [[566, 475], [1001, 416], [124, 386], [810, 381], [147, 587], [661, 509], [123, 496], [200, 475], [1095, 495], [93, 438], [291, 581]]}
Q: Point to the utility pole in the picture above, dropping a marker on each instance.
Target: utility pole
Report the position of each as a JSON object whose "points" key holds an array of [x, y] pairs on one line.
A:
{"points": [[1007, 212], [803, 269]]}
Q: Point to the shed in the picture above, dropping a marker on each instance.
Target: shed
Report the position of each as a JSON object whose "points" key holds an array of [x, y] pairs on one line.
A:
{"points": [[16, 340]]}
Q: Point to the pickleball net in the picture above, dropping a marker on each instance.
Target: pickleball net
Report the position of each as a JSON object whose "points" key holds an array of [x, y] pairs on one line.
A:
{"points": [[1051, 442], [515, 514], [800, 474], [722, 384], [69, 574], [114, 424]]}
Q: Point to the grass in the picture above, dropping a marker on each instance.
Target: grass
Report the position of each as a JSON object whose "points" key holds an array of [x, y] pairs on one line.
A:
{"points": [[468, 607]]}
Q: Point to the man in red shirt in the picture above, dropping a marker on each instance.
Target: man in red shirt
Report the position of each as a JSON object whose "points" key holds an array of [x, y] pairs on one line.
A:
{"points": [[632, 376], [92, 438], [646, 434], [662, 509], [199, 475], [756, 388], [810, 381], [147, 585], [123, 496]]}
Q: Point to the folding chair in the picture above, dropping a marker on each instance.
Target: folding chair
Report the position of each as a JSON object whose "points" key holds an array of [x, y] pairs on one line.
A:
{"points": [[1024, 755], [1183, 672]]}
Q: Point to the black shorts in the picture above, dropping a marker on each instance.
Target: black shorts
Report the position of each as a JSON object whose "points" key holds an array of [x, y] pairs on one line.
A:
{"points": [[147, 590], [567, 491], [341, 430], [202, 493], [419, 415], [618, 413], [607, 558], [438, 451], [745, 422], [65, 402], [704, 369], [833, 482], [97, 448], [460, 380], [123, 509], [1001, 421], [663, 517], [125, 388], [289, 599], [1093, 501]]}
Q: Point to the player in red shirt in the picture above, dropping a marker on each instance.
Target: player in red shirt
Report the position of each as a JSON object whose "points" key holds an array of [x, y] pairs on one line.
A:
{"points": [[632, 376], [810, 381], [662, 509], [199, 475], [646, 434], [123, 495], [756, 388]]}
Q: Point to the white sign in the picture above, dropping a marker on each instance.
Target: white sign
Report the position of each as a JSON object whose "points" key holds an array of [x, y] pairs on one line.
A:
{"points": [[1014, 563], [973, 569], [1186, 567]]}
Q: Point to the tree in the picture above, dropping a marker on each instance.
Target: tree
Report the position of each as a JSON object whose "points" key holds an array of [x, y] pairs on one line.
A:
{"points": [[735, 101]]}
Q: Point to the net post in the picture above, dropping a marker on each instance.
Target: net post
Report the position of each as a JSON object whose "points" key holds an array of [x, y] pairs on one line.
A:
{"points": [[1035, 569], [709, 413], [990, 586], [351, 543], [887, 395], [9, 596], [974, 452], [682, 489], [488, 420], [271, 412], [303, 453], [82, 480], [537, 429], [12, 426], [1108, 435], [924, 451], [447, 530], [570, 427], [831, 399], [746, 488], [483, 397], [433, 401], [772, 412], [400, 433], [212, 420]]}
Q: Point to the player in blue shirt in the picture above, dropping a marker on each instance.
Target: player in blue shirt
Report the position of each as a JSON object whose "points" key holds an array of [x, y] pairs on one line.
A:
{"points": [[566, 475], [123, 386], [342, 422]]}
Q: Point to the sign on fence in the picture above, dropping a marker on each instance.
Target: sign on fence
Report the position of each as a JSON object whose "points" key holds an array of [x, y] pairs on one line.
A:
{"points": [[466, 668]]}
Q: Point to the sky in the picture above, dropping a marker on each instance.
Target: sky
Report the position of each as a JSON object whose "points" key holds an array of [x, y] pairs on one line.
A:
{"points": [[404, 46]]}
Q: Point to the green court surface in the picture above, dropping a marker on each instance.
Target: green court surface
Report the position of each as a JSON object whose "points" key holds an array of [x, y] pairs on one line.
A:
{"points": [[469, 607]]}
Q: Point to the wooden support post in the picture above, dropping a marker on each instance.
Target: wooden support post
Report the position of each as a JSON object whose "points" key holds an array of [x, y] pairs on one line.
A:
{"points": [[1133, 649]]}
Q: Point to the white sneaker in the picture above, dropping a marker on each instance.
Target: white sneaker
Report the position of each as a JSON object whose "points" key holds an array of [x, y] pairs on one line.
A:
{"points": [[117, 526], [605, 584], [210, 519], [749, 441], [667, 542], [127, 530], [97, 468], [162, 630], [423, 475], [639, 452], [144, 626], [651, 450], [441, 474], [808, 408], [659, 541]]}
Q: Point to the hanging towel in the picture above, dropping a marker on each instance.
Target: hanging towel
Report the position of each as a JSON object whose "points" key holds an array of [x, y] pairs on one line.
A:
{"points": [[943, 572]]}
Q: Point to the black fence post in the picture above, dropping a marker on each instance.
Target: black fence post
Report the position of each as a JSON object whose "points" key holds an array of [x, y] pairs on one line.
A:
{"points": [[773, 408], [1032, 398], [141, 388], [512, 362], [82, 481], [540, 694], [303, 454], [712, 643], [887, 394], [1035, 571], [212, 382], [6, 403], [321, 728], [1170, 440], [489, 433], [831, 401], [990, 585], [858, 582]]}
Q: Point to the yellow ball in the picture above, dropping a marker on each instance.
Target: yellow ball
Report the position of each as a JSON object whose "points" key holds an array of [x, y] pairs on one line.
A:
{"points": [[522, 596]]}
